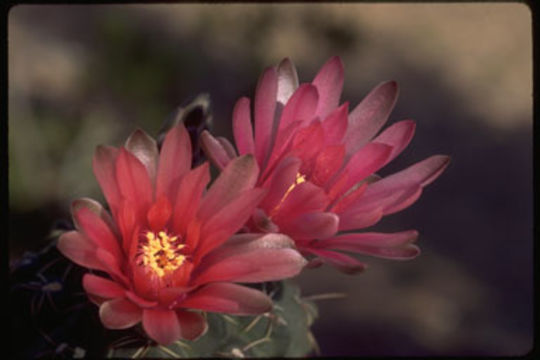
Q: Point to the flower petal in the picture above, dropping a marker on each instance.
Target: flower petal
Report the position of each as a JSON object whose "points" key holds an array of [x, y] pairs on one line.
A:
{"points": [[174, 160], [134, 182], [189, 196], [342, 262], [404, 186], [229, 219], [96, 208], [139, 301], [327, 163], [301, 106], [255, 261], [370, 115], [329, 83], [119, 314], [397, 136], [304, 197], [280, 181], [228, 298], [145, 149], [242, 129], [192, 325], [159, 214], [161, 325], [335, 125], [103, 163], [319, 225], [241, 174], [365, 162], [349, 242], [96, 228], [265, 106], [359, 220], [99, 286], [287, 80], [215, 151], [79, 249]]}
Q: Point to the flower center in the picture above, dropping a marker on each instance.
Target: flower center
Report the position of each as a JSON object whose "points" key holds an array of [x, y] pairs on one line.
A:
{"points": [[162, 253]]}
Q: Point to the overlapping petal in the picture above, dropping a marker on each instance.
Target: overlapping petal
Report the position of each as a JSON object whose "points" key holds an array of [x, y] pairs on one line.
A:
{"points": [[163, 251], [318, 162]]}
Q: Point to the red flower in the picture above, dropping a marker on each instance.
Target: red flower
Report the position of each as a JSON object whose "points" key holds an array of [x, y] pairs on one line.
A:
{"points": [[167, 247], [318, 162]]}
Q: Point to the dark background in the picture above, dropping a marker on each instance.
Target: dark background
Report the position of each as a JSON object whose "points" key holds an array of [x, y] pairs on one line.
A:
{"points": [[80, 76]]}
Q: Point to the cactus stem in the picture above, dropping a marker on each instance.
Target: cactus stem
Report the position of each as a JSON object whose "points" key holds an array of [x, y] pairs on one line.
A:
{"points": [[264, 339]]}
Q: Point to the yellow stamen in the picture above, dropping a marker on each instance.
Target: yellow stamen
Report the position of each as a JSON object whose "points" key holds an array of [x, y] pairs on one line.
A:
{"points": [[299, 179], [161, 254]]}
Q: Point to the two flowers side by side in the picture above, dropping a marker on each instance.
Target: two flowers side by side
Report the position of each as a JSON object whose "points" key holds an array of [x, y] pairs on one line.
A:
{"points": [[170, 247]]}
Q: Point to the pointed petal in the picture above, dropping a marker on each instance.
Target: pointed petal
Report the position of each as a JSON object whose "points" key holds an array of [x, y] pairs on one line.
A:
{"points": [[119, 314], [370, 115], [215, 151], [329, 83], [301, 106], [242, 128], [342, 262], [364, 163], [241, 174], [228, 147], [159, 214], [267, 258], [161, 325], [359, 220], [79, 249], [230, 218], [139, 301], [192, 325], [335, 125], [397, 136], [97, 230], [144, 148], [134, 182], [174, 160], [103, 163], [265, 106], [228, 298], [280, 181], [287, 80], [403, 187], [319, 225], [99, 286], [112, 265], [349, 242], [327, 163], [97, 209], [303, 198], [189, 196]]}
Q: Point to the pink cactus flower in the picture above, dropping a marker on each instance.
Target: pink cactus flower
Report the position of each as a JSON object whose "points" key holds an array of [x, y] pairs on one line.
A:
{"points": [[318, 162], [167, 249]]}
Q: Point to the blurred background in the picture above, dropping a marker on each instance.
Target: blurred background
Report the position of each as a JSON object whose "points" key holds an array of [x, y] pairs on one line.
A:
{"points": [[80, 76]]}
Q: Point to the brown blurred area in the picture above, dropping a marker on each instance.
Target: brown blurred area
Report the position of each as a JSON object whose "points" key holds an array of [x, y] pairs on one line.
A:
{"points": [[80, 76]]}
